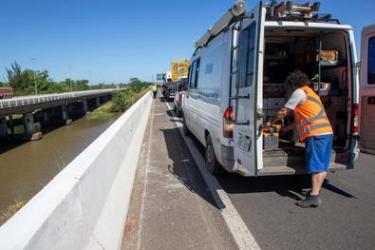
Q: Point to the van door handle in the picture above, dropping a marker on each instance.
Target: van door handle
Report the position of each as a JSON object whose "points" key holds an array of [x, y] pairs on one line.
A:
{"points": [[241, 122], [236, 97]]}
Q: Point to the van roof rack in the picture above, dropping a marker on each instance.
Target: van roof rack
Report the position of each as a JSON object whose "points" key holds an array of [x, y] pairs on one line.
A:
{"points": [[276, 11], [290, 11], [237, 10]]}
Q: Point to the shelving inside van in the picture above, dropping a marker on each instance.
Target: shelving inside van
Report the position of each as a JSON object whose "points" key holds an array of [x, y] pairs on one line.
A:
{"points": [[324, 56]]}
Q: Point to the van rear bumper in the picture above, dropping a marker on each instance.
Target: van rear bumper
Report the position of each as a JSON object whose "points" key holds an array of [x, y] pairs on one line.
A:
{"points": [[292, 170], [227, 157]]}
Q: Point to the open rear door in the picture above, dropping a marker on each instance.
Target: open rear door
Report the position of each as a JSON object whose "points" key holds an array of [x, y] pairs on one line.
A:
{"points": [[248, 98]]}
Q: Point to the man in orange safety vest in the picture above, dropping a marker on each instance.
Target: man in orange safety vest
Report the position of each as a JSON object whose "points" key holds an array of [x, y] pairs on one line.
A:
{"points": [[313, 128]]}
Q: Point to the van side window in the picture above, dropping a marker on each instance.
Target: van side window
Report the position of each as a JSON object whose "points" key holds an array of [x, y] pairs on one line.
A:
{"points": [[246, 56], [371, 61], [193, 76]]}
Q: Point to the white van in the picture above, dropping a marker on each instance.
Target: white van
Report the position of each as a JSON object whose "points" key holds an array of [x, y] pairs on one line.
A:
{"points": [[367, 90], [236, 84]]}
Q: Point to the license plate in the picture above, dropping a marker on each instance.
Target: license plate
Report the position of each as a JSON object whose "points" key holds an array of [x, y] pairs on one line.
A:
{"points": [[244, 142]]}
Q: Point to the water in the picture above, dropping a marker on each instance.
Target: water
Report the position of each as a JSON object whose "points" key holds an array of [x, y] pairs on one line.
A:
{"points": [[27, 168]]}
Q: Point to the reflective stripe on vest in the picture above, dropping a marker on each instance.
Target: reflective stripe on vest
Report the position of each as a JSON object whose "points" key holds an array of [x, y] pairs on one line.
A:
{"points": [[311, 128], [303, 126], [319, 116]]}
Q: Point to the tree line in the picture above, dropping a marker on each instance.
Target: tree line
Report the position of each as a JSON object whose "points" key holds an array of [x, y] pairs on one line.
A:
{"points": [[29, 82]]}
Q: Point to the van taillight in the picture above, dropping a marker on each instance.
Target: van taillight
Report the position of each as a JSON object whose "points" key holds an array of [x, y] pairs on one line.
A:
{"points": [[228, 123], [355, 125], [180, 94]]}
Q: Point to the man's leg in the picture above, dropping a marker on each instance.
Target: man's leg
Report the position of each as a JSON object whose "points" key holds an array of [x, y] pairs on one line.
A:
{"points": [[318, 154], [317, 180]]}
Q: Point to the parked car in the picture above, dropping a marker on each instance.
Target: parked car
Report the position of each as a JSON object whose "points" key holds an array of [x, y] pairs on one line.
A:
{"points": [[181, 87], [237, 82], [170, 90]]}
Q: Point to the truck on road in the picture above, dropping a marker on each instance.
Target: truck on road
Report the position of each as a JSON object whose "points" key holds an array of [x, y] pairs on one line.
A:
{"points": [[236, 84]]}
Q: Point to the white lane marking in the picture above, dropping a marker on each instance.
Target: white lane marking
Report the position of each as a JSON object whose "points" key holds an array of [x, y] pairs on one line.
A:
{"points": [[147, 166], [241, 234]]}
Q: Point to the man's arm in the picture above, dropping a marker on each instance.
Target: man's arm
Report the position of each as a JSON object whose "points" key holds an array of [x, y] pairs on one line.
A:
{"points": [[281, 114]]}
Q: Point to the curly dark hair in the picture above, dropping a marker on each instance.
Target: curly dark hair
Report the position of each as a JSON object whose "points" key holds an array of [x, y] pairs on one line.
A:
{"points": [[297, 79]]}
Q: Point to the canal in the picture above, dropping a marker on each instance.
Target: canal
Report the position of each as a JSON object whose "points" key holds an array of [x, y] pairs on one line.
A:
{"points": [[26, 168]]}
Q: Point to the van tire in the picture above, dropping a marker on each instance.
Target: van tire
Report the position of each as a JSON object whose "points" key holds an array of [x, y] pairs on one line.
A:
{"points": [[211, 163], [178, 112], [184, 127]]}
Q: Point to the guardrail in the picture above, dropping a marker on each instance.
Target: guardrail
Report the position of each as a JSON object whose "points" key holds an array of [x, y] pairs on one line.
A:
{"points": [[37, 99], [86, 204]]}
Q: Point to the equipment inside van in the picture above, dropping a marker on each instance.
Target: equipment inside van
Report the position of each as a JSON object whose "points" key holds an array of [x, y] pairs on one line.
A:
{"points": [[255, 52]]}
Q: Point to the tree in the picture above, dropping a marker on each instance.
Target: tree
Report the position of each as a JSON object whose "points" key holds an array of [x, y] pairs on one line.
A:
{"points": [[15, 77], [136, 85], [23, 82]]}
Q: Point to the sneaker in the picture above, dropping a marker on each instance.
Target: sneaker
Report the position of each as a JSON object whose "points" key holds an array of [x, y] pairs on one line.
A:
{"points": [[309, 201]]}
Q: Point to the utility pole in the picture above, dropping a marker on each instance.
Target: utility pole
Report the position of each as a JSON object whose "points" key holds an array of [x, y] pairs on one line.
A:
{"points": [[35, 86]]}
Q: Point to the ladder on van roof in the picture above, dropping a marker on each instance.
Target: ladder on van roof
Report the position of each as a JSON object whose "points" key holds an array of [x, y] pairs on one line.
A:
{"points": [[234, 70]]}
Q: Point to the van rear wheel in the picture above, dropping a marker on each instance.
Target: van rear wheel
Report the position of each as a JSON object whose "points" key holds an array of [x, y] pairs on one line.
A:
{"points": [[212, 165]]}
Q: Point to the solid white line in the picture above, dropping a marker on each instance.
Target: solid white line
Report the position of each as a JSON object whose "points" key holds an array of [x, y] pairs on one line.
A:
{"points": [[241, 234]]}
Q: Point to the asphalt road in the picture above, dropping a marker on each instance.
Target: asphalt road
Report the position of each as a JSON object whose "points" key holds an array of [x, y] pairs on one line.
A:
{"points": [[346, 219], [266, 205]]}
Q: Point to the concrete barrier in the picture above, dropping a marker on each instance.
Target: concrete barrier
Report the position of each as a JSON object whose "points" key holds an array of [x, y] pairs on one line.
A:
{"points": [[85, 205]]}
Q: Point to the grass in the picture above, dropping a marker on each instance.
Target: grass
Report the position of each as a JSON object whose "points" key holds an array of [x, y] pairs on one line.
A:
{"points": [[103, 112], [106, 110]]}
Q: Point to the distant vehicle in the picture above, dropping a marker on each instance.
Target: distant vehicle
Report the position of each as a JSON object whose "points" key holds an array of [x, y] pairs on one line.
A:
{"points": [[181, 87], [237, 83], [169, 90], [6, 92], [367, 90]]}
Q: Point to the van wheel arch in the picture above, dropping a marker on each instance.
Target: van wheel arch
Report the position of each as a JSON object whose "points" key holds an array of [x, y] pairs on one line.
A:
{"points": [[211, 163], [206, 134]]}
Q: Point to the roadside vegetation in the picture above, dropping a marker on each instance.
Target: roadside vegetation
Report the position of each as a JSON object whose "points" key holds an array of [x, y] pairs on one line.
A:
{"points": [[122, 100]]}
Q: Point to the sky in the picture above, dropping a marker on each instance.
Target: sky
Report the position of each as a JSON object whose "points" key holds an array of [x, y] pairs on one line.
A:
{"points": [[111, 41]]}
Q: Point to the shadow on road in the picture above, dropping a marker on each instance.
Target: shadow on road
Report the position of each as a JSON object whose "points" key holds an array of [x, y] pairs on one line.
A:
{"points": [[184, 168], [292, 186]]}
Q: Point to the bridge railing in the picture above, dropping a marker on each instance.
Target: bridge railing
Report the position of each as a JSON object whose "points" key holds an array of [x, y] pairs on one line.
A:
{"points": [[85, 205], [36, 99]]}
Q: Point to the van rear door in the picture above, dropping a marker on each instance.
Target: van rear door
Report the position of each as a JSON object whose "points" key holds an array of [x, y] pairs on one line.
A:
{"points": [[248, 94]]}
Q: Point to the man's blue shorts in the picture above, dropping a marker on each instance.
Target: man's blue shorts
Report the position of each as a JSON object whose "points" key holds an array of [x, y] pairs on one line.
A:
{"points": [[318, 153]]}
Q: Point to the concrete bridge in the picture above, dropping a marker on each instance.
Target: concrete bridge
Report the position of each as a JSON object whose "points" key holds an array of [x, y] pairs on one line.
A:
{"points": [[40, 110]]}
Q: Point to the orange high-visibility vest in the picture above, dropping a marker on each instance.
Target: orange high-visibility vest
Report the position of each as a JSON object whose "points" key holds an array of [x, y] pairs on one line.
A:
{"points": [[310, 116]]}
